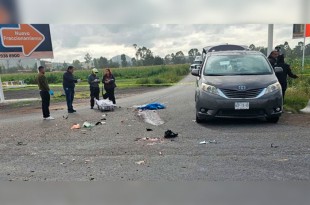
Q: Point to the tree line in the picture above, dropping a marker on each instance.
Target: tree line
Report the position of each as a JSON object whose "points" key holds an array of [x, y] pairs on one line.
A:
{"points": [[145, 57]]}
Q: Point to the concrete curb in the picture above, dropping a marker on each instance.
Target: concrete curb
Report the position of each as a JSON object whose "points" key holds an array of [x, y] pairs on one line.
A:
{"points": [[306, 109], [20, 100]]}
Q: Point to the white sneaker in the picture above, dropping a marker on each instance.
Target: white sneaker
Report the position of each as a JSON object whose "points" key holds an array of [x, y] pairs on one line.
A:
{"points": [[49, 118]]}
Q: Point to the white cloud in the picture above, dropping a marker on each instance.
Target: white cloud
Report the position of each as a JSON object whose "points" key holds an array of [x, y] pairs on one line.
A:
{"points": [[74, 41]]}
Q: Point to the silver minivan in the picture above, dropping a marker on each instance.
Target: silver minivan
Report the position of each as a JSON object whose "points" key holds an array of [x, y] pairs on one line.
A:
{"points": [[237, 84]]}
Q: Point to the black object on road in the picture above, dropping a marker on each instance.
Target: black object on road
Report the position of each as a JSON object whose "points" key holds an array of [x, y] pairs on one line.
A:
{"points": [[170, 134], [149, 129], [273, 146]]}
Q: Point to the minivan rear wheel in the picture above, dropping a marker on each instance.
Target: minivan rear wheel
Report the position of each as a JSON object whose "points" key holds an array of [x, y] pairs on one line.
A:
{"points": [[272, 119]]}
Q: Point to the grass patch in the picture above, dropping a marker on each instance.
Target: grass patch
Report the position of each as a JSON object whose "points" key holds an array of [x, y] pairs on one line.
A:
{"points": [[295, 99], [168, 73]]}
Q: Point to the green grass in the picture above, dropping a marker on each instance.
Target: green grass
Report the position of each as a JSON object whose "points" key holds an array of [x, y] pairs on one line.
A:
{"points": [[130, 75]]}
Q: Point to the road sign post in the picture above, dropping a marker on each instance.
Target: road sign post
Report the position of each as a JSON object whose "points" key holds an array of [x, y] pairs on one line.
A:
{"points": [[1, 92], [19, 41]]}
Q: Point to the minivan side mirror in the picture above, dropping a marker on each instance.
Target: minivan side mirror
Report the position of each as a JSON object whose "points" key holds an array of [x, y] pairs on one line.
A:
{"points": [[278, 69], [196, 72]]}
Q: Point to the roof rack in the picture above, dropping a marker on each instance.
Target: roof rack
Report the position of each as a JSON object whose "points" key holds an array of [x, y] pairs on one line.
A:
{"points": [[224, 47]]}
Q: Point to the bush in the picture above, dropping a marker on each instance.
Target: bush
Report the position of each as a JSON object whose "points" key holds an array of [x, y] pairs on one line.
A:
{"points": [[295, 99], [158, 81], [143, 81]]}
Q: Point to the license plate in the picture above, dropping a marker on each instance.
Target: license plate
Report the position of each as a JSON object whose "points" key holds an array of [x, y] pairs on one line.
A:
{"points": [[242, 105]]}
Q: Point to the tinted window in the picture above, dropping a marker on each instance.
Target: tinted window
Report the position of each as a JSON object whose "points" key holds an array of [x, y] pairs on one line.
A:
{"points": [[237, 65]]}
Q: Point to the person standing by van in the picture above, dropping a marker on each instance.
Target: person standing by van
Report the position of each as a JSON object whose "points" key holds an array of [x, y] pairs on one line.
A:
{"points": [[273, 58], [44, 93], [93, 81], [68, 86], [108, 81], [282, 76]]}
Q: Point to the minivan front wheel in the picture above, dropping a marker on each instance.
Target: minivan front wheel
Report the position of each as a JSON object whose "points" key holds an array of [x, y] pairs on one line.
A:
{"points": [[198, 120], [272, 119]]}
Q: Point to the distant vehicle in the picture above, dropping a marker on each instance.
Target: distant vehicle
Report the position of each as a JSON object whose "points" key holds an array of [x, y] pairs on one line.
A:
{"points": [[234, 82], [197, 62]]}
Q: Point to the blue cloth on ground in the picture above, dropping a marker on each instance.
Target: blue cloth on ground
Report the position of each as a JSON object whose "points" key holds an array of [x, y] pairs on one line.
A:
{"points": [[152, 106]]}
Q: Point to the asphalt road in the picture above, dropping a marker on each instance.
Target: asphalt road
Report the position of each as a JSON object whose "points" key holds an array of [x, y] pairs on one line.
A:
{"points": [[33, 149]]}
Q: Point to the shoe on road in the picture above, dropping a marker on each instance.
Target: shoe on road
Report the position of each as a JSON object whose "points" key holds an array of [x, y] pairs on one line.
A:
{"points": [[49, 118], [71, 111]]}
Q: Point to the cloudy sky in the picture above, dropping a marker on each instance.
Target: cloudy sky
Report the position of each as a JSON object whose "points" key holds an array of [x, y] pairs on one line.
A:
{"points": [[73, 41], [110, 27]]}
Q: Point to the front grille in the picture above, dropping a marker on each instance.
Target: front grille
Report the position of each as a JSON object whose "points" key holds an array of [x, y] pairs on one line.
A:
{"points": [[242, 94], [241, 113]]}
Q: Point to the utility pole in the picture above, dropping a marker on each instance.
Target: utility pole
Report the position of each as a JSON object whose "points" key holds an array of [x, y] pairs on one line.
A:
{"points": [[270, 39], [303, 50], [1, 92]]}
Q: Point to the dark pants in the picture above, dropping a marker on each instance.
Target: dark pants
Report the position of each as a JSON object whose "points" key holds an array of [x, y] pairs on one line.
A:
{"points": [[69, 97], [109, 94], [283, 93], [94, 93], [45, 96]]}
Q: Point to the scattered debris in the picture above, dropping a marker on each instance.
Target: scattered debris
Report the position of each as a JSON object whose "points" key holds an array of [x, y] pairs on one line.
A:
{"points": [[208, 142], [86, 161], [273, 146], [87, 125], [65, 116], [148, 139], [75, 126], [160, 153], [149, 129], [140, 162], [104, 115], [151, 117], [213, 141], [103, 118], [20, 143], [100, 123], [282, 160], [170, 134], [91, 179]]}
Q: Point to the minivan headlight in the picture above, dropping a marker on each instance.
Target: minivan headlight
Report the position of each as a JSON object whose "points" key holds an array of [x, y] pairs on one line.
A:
{"points": [[209, 88], [273, 87]]}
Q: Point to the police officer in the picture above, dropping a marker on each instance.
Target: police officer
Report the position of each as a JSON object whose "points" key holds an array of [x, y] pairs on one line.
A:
{"points": [[93, 81]]}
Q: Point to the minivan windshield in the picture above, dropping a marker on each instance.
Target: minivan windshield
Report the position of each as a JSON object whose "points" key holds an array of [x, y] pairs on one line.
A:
{"points": [[237, 65]]}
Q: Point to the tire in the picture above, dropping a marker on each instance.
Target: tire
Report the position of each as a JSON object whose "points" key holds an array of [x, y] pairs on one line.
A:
{"points": [[198, 120], [272, 119]]}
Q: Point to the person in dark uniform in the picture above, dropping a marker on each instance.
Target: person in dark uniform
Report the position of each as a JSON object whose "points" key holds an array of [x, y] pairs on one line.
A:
{"points": [[93, 81], [108, 81], [44, 93], [273, 57], [68, 86], [282, 76]]}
